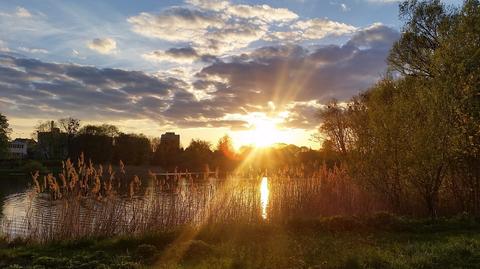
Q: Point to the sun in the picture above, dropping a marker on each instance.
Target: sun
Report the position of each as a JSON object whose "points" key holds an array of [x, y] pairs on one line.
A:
{"points": [[263, 132]]}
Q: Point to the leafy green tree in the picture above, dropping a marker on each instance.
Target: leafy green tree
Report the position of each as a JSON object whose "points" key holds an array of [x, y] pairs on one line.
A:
{"points": [[458, 64], [425, 21], [336, 126]]}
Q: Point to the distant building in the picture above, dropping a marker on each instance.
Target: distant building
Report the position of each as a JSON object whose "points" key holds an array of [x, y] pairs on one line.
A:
{"points": [[170, 140], [53, 144], [20, 147]]}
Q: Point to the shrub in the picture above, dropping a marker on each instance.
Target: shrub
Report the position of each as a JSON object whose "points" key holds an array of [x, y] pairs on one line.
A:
{"points": [[34, 166]]}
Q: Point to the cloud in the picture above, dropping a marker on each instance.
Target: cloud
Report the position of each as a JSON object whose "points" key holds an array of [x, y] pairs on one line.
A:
{"points": [[3, 46], [174, 24], [219, 27], [179, 55], [23, 12], [376, 35], [262, 12], [49, 89], [33, 50], [286, 74], [210, 27], [291, 79], [215, 5], [102, 45], [320, 28]]}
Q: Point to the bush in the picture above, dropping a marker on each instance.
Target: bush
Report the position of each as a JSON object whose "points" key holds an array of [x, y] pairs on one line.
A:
{"points": [[33, 166]]}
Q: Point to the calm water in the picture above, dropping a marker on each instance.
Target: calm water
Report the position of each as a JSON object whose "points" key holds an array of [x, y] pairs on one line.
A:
{"points": [[24, 212]]}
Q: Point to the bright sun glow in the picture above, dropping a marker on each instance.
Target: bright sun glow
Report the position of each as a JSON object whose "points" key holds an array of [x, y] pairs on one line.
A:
{"points": [[263, 133]]}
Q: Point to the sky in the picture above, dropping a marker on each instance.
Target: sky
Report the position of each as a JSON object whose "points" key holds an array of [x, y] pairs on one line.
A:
{"points": [[196, 67]]}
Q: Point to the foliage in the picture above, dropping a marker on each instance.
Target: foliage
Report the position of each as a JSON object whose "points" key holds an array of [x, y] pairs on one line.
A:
{"points": [[132, 149], [413, 139], [4, 135], [32, 166]]}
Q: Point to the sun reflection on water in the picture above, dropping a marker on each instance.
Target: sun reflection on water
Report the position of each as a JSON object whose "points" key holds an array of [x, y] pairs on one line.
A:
{"points": [[264, 193]]}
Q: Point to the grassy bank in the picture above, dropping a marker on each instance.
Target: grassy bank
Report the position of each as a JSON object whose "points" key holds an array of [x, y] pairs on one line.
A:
{"points": [[381, 241]]}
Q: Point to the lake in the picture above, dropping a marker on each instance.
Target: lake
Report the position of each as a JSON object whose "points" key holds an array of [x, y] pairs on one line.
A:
{"points": [[160, 204]]}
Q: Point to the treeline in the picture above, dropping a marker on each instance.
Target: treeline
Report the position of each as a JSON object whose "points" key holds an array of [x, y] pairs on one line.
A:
{"points": [[105, 144], [413, 139]]}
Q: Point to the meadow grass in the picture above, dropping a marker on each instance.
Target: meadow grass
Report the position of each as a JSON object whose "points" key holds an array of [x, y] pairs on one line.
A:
{"points": [[378, 241]]}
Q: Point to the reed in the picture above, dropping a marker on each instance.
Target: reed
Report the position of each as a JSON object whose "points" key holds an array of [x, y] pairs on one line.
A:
{"points": [[86, 200]]}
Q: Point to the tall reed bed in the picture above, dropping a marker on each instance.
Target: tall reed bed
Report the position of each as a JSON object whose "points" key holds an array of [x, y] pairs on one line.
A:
{"points": [[86, 200]]}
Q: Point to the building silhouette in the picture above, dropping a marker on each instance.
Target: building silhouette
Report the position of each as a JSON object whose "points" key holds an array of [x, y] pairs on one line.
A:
{"points": [[170, 141], [52, 145]]}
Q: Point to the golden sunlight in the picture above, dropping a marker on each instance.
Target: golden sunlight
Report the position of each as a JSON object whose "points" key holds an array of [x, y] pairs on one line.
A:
{"points": [[264, 193], [264, 133]]}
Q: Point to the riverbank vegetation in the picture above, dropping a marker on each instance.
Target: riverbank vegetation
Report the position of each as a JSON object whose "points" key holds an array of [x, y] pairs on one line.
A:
{"points": [[413, 139], [377, 241], [409, 145]]}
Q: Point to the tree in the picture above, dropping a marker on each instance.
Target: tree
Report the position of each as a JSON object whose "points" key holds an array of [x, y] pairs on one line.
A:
{"points": [[43, 126], [225, 155], [376, 120], [425, 22], [197, 155], [96, 142], [335, 126], [69, 125], [4, 135], [104, 130], [458, 64], [132, 149]]}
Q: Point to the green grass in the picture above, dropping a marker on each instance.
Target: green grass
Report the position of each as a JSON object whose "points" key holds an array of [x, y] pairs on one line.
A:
{"points": [[382, 241]]}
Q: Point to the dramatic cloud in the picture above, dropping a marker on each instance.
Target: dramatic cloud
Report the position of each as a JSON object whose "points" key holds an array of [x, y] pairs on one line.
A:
{"points": [[219, 27], [287, 74], [175, 24], [33, 87], [291, 80], [377, 35], [102, 45], [263, 12]]}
